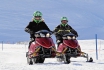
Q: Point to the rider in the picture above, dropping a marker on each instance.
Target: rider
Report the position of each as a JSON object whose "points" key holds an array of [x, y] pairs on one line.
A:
{"points": [[35, 25], [62, 29]]}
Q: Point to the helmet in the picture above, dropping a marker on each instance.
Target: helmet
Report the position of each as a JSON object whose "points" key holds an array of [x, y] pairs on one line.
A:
{"points": [[37, 13], [64, 18]]}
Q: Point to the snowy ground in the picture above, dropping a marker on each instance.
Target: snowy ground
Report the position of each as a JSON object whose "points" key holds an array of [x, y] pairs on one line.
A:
{"points": [[13, 58]]}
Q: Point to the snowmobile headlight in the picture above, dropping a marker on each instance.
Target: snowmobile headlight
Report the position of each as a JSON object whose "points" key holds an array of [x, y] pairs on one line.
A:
{"points": [[48, 35], [74, 37], [37, 35], [42, 35], [68, 37], [64, 37]]}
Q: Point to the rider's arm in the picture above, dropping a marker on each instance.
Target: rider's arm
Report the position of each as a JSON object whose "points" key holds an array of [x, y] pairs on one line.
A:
{"points": [[45, 26], [56, 30], [28, 28], [73, 31]]}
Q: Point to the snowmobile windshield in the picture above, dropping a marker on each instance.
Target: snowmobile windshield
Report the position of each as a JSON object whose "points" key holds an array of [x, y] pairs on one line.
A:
{"points": [[43, 33], [69, 36]]}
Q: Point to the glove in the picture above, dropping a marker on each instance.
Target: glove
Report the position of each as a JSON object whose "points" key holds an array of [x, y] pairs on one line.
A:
{"points": [[51, 32], [76, 35], [29, 31]]}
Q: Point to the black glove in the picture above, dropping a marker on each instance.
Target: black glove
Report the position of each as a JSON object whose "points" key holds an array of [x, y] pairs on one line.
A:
{"points": [[29, 31], [51, 32], [76, 35]]}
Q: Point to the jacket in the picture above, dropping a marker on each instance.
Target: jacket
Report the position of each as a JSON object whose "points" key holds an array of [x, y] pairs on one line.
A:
{"points": [[61, 30], [34, 27]]}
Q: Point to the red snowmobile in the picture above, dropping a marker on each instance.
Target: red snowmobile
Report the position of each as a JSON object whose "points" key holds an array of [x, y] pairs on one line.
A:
{"points": [[43, 47], [70, 48]]}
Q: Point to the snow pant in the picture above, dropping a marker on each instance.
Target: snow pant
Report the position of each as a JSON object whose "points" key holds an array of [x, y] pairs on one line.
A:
{"points": [[58, 40], [31, 40]]}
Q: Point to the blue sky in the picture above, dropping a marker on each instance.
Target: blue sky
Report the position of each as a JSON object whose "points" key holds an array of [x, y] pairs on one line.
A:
{"points": [[85, 16]]}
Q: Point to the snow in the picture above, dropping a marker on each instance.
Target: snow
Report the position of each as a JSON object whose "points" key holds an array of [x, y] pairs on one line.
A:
{"points": [[12, 57]]}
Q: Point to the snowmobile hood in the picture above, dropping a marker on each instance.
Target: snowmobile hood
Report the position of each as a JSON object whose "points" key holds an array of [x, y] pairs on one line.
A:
{"points": [[45, 42], [71, 43]]}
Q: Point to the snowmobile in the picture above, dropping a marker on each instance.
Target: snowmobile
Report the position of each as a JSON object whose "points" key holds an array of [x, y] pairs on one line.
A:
{"points": [[70, 48], [43, 47]]}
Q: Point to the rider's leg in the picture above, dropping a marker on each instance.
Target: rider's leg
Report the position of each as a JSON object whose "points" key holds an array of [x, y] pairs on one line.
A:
{"points": [[59, 40], [31, 40]]}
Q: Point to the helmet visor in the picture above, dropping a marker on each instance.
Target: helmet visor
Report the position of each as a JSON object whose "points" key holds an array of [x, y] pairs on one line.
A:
{"points": [[37, 17], [64, 21]]}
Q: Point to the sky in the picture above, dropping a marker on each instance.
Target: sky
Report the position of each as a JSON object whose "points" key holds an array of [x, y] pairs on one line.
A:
{"points": [[85, 16]]}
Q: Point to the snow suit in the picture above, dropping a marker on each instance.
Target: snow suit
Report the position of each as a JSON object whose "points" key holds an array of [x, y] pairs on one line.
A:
{"points": [[33, 27], [60, 30]]}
